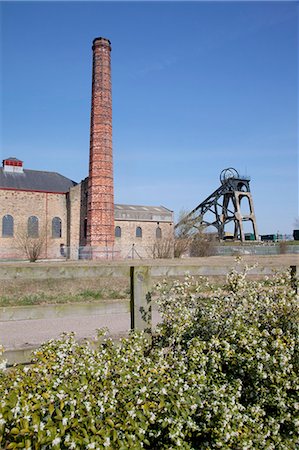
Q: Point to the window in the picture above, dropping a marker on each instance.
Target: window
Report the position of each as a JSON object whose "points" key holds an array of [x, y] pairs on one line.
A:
{"points": [[7, 226], [139, 232], [158, 233], [33, 226], [117, 232], [85, 228], [56, 227]]}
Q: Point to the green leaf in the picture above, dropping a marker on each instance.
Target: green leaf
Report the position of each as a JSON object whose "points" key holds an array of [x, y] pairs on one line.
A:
{"points": [[25, 431], [110, 422], [58, 414], [35, 407]]}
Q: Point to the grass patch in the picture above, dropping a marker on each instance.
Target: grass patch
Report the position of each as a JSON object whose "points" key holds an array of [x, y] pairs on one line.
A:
{"points": [[42, 292], [87, 294], [42, 299], [292, 242]]}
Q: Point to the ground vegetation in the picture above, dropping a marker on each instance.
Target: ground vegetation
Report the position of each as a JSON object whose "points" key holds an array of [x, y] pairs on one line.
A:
{"points": [[221, 372]]}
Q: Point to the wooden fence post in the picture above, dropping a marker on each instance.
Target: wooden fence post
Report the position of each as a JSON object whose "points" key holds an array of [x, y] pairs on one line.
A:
{"points": [[295, 277], [141, 301]]}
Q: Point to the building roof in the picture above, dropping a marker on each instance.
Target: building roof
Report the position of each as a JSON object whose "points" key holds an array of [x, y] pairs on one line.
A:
{"points": [[41, 181], [13, 159], [143, 213], [35, 180]]}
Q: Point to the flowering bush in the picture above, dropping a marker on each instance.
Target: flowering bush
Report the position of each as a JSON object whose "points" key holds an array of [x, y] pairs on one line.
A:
{"points": [[222, 372]]}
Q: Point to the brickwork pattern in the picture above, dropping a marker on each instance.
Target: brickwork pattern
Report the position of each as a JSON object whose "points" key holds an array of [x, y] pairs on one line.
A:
{"points": [[143, 245], [100, 217], [87, 210], [74, 221], [21, 205], [71, 208]]}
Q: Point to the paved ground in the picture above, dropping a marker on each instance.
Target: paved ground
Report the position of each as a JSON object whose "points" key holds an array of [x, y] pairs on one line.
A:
{"points": [[30, 333], [282, 260]]}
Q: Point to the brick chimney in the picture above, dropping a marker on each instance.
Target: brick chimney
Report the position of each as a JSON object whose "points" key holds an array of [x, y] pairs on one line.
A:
{"points": [[100, 216], [12, 165]]}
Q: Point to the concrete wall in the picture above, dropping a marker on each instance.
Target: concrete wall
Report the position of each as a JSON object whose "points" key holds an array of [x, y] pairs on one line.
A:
{"points": [[64, 270], [159, 268], [11, 317], [38, 312]]}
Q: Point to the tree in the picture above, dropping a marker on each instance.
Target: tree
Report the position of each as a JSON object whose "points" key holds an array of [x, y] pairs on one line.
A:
{"points": [[192, 239], [183, 235], [203, 244], [31, 244], [163, 248]]}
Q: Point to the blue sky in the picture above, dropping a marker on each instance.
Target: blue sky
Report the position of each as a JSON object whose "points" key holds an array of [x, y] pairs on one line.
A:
{"points": [[197, 87]]}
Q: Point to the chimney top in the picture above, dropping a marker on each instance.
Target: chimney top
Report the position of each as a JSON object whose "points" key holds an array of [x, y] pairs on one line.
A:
{"points": [[12, 164], [101, 42]]}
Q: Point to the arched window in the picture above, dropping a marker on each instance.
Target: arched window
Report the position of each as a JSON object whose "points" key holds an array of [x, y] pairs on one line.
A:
{"points": [[158, 233], [139, 232], [56, 227], [7, 226], [85, 228], [33, 226], [117, 232]]}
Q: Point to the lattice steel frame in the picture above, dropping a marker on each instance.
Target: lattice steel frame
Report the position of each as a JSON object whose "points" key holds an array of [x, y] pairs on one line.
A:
{"points": [[233, 188]]}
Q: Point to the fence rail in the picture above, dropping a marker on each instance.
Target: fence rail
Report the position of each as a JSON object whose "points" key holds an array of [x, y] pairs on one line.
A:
{"points": [[141, 286], [141, 306], [266, 249], [138, 252]]}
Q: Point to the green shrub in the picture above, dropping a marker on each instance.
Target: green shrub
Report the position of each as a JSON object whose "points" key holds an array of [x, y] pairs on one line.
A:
{"points": [[222, 372]]}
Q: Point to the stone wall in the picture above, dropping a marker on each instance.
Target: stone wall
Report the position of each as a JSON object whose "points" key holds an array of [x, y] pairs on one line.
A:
{"points": [[23, 204]]}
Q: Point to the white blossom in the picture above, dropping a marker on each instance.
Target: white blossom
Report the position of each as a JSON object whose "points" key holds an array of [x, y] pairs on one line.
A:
{"points": [[106, 443], [56, 441]]}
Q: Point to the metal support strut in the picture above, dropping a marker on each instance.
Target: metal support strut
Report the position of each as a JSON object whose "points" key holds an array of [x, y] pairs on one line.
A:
{"points": [[224, 206]]}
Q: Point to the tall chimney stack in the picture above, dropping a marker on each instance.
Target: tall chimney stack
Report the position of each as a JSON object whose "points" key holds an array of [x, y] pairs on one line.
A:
{"points": [[100, 216]]}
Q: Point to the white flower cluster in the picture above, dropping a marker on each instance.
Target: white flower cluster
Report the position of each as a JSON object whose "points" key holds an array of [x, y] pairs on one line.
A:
{"points": [[3, 362], [222, 372]]}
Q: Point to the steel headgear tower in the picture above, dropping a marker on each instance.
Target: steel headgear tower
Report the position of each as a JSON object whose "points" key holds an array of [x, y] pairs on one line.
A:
{"points": [[100, 217]]}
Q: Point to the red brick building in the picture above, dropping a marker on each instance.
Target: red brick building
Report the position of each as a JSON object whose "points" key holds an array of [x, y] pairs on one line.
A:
{"points": [[79, 219]]}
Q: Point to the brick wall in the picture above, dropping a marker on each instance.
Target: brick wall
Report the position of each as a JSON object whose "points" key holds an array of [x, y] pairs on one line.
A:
{"points": [[71, 208], [143, 246], [83, 212], [21, 205], [73, 219], [100, 218], [77, 218]]}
